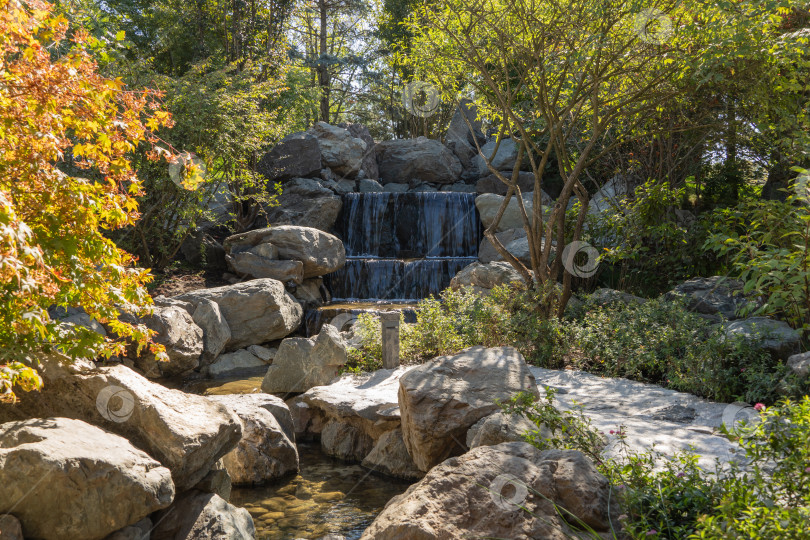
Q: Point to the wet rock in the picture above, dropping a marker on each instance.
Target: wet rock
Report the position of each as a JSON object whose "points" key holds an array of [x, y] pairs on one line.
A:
{"points": [[340, 150], [65, 479], [716, 295], [302, 363], [297, 155], [306, 203], [402, 160], [489, 203], [265, 452], [182, 338], [500, 427], [776, 337], [320, 252], [249, 264], [203, 516], [511, 490], [256, 311], [185, 432], [390, 457], [441, 399], [484, 277]]}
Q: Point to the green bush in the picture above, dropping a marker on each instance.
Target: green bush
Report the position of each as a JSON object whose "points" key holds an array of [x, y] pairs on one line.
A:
{"points": [[661, 342]]}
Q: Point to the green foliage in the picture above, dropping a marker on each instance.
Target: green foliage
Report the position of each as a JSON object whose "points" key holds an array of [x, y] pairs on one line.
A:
{"points": [[661, 342], [767, 244], [651, 241]]}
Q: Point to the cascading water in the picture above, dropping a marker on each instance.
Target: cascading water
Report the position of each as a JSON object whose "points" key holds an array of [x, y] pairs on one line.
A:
{"points": [[404, 246], [400, 248]]}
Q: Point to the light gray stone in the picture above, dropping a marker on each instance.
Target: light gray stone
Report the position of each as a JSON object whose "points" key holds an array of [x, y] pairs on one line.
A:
{"points": [[799, 364], [302, 363], [182, 338], [256, 311], [217, 481], [776, 337], [489, 203], [268, 251], [320, 252], [216, 332], [403, 160], [251, 265], [265, 452], [511, 490], [203, 516], [297, 155], [265, 353], [503, 160], [65, 479], [441, 399], [366, 185], [241, 362], [500, 427], [345, 442], [340, 151], [305, 202], [390, 457], [484, 277], [716, 295]]}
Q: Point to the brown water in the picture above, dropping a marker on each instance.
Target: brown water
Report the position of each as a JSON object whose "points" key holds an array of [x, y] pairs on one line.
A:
{"points": [[327, 496], [222, 387]]}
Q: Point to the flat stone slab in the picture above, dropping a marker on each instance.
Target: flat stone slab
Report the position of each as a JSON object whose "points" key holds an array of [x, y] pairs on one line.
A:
{"points": [[652, 416]]}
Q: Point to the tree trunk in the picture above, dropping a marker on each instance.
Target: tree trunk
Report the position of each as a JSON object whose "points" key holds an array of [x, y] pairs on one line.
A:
{"points": [[323, 69]]}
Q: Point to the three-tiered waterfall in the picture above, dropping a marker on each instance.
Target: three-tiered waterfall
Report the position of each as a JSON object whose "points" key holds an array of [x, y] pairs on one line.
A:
{"points": [[400, 248]]}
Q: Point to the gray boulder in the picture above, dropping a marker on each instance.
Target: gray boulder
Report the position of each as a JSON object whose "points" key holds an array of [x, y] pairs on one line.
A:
{"points": [[799, 364], [491, 183], [65, 479], [345, 442], [511, 490], [182, 338], [237, 363], [265, 451], [320, 252], [369, 165], [302, 363], [249, 264], [605, 296], [141, 530], [216, 332], [367, 185], [10, 528], [390, 457], [459, 128], [776, 337], [503, 160], [203, 516], [441, 399], [340, 150], [307, 203], [297, 155], [489, 203], [187, 433], [256, 311], [500, 427], [403, 160], [713, 296], [484, 277]]}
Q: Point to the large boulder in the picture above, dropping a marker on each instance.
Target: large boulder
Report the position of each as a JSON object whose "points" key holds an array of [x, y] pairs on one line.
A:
{"points": [[488, 205], [307, 203], [265, 451], [775, 337], [713, 296], [297, 155], [256, 311], [459, 128], [216, 332], [369, 164], [799, 364], [511, 490], [175, 329], [390, 457], [484, 277], [515, 241], [203, 516], [404, 160], [249, 264], [320, 252], [241, 363], [340, 150], [441, 399], [301, 363], [503, 160], [185, 432], [500, 427], [65, 479]]}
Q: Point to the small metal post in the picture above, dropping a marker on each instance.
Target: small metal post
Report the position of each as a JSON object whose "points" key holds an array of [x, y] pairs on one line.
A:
{"points": [[390, 339]]}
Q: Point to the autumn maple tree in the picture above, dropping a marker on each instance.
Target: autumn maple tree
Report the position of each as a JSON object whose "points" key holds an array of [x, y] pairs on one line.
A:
{"points": [[53, 250]]}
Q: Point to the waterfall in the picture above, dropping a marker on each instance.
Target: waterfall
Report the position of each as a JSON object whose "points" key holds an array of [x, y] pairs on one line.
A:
{"points": [[404, 246]]}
